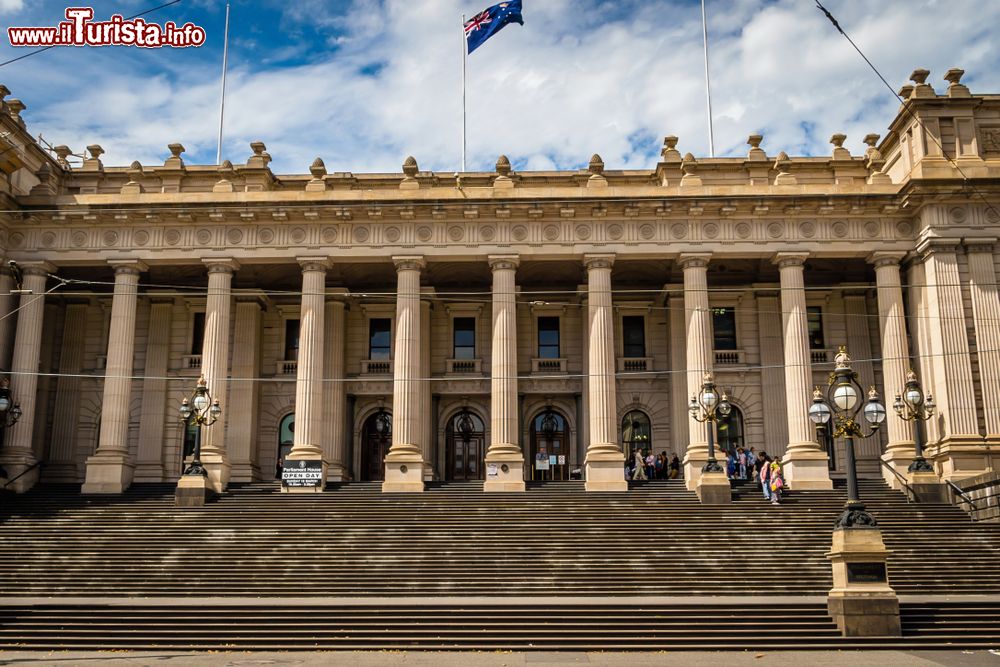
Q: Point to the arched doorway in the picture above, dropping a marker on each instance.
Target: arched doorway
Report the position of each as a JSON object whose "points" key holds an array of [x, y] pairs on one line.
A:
{"points": [[730, 431], [376, 438], [637, 433], [286, 438], [550, 446], [465, 439]]}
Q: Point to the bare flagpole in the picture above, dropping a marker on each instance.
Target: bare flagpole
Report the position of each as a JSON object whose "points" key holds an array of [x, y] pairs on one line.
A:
{"points": [[222, 104], [465, 58], [708, 85]]}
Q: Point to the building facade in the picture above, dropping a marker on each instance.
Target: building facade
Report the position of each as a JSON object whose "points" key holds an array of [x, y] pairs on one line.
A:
{"points": [[500, 325]]}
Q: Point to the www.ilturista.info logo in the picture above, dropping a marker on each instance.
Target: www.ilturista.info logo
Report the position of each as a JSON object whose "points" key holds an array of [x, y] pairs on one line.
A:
{"points": [[80, 30]]}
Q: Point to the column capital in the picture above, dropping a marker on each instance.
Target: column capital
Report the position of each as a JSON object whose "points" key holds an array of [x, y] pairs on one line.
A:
{"points": [[320, 263], [931, 246], [605, 261], [881, 258], [980, 244], [221, 264], [503, 262], [785, 259], [128, 266], [409, 262], [694, 260], [37, 268]]}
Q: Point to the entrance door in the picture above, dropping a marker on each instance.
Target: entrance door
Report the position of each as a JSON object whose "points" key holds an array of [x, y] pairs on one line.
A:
{"points": [[376, 438], [550, 446], [286, 436], [466, 443]]}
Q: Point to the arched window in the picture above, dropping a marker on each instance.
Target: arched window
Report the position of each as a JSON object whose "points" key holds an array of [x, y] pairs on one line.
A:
{"points": [[465, 438], [286, 437], [637, 433], [730, 431]]}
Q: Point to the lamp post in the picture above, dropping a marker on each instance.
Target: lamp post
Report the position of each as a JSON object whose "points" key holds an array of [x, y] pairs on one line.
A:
{"points": [[10, 411], [202, 411], [842, 405], [911, 406], [707, 407]]}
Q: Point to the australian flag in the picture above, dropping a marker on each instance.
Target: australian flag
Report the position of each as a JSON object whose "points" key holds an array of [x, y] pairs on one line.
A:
{"points": [[490, 21]]}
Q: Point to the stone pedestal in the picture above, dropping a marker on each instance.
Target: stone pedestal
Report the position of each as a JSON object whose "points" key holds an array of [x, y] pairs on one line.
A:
{"points": [[108, 473], [509, 472], [713, 489], [404, 472], [861, 601], [192, 490], [928, 487], [809, 469], [606, 471]]}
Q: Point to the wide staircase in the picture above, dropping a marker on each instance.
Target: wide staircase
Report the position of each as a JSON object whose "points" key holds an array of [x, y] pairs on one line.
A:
{"points": [[555, 567]]}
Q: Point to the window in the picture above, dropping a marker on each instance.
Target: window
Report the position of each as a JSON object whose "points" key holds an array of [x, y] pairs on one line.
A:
{"points": [[292, 328], [636, 433], [730, 430], [379, 338], [198, 333], [464, 337], [724, 328], [548, 337], [634, 336], [814, 317]]}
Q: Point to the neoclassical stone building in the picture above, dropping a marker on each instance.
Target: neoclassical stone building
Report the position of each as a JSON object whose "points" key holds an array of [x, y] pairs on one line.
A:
{"points": [[499, 325]]}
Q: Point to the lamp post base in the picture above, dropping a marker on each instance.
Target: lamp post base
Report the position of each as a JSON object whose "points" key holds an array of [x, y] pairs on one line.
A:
{"points": [[861, 601], [713, 488], [928, 487], [192, 490]]}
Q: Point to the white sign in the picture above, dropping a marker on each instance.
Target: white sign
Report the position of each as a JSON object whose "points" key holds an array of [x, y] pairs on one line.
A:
{"points": [[491, 470]]}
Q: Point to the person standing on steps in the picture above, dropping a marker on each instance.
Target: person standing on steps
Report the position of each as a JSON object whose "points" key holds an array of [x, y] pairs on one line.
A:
{"points": [[777, 481], [640, 467], [765, 475], [675, 467]]}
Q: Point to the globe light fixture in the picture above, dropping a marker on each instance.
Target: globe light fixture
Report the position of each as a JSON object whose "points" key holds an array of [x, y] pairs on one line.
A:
{"points": [[707, 407], [911, 406], [201, 410]]}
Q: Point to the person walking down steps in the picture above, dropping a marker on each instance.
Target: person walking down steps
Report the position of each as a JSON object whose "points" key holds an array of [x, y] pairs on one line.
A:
{"points": [[640, 467], [777, 481]]}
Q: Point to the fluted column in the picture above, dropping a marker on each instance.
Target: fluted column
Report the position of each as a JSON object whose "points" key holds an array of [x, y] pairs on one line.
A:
{"points": [[698, 327], [427, 434], [152, 419], [806, 465], [899, 451], [111, 468], [504, 458], [604, 454], [215, 368], [61, 466], [6, 320], [306, 445], [334, 391], [986, 316], [404, 464], [241, 447]]}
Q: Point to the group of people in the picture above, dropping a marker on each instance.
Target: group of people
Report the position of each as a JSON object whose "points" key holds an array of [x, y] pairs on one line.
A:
{"points": [[646, 465]]}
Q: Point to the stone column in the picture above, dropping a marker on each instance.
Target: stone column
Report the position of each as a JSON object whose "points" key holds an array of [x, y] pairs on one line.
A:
{"points": [[679, 416], [404, 464], [335, 391], [242, 432], [958, 452], [61, 466], [899, 451], [215, 368], [111, 468], [306, 445], [604, 455], [7, 321], [428, 436], [504, 458], [806, 465], [856, 321], [772, 375], [154, 412], [986, 316], [698, 325]]}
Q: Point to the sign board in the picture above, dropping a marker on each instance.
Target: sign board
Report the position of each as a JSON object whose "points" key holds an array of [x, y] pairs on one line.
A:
{"points": [[553, 460], [302, 474], [541, 461], [562, 459], [866, 573], [492, 470]]}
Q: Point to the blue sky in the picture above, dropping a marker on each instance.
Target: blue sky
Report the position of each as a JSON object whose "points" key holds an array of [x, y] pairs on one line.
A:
{"points": [[364, 83]]}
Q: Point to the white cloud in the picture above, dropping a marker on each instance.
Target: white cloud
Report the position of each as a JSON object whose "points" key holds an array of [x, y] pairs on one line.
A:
{"points": [[11, 6], [549, 94]]}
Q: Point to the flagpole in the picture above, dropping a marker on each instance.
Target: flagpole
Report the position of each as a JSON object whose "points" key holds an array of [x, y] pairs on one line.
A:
{"points": [[465, 58], [708, 85], [222, 104]]}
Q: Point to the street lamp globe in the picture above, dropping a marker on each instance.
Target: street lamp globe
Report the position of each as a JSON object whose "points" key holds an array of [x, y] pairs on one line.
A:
{"points": [[930, 405], [913, 397], [15, 412], [185, 409], [709, 399], [216, 410], [4, 403], [819, 411], [725, 407], [874, 410], [200, 402], [845, 397]]}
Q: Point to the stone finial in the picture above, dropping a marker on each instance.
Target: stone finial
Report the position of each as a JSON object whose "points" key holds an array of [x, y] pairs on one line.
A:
{"points": [[410, 171], [756, 152], [318, 171], [955, 86], [503, 166], [839, 152], [134, 185], [4, 92], [875, 162], [670, 152], [919, 76], [260, 157], [871, 140], [46, 181], [175, 161], [225, 182], [93, 163], [15, 107], [838, 140], [906, 91], [689, 166], [782, 165], [596, 165], [62, 155]]}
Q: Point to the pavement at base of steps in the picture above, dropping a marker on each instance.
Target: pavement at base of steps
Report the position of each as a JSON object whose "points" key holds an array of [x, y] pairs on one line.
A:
{"points": [[501, 659]]}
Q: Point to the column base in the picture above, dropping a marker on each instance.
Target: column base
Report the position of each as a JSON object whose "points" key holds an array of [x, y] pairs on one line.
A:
{"points": [[404, 471], [243, 471], [108, 474], [191, 491], [692, 465], [959, 457], [148, 473], [713, 489], [219, 470], [337, 472], [806, 470], [605, 469], [15, 463], [928, 487], [504, 472], [861, 601], [898, 456]]}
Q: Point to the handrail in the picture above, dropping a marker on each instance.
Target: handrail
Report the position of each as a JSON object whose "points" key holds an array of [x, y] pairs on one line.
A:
{"points": [[36, 464], [962, 494], [911, 495]]}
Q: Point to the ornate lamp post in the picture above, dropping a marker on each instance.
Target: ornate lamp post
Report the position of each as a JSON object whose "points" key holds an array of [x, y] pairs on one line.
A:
{"points": [[10, 411], [202, 411], [843, 395], [707, 407], [911, 406]]}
